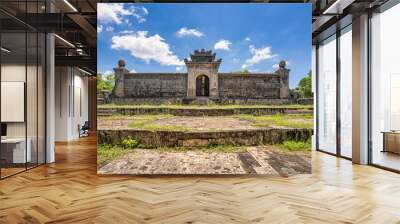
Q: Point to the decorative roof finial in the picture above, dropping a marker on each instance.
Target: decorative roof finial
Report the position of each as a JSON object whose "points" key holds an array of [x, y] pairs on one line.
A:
{"points": [[121, 63], [282, 64]]}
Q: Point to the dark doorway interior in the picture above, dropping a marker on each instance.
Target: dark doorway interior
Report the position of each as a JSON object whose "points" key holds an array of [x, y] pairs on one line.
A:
{"points": [[202, 86]]}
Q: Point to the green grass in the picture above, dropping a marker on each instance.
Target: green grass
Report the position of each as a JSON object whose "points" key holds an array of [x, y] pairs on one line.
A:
{"points": [[292, 121], [143, 122], [146, 122], [304, 146], [107, 153], [210, 106]]}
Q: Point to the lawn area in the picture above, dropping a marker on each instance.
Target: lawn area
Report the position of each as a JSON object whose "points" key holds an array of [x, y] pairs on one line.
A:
{"points": [[210, 106], [292, 121], [145, 122], [167, 122], [107, 153]]}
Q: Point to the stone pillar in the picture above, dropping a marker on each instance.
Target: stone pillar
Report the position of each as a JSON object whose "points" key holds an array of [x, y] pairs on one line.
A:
{"points": [[119, 83], [283, 73], [191, 83]]}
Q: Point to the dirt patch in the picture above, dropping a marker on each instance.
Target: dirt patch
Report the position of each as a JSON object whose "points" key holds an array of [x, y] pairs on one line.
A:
{"points": [[206, 123], [114, 124]]}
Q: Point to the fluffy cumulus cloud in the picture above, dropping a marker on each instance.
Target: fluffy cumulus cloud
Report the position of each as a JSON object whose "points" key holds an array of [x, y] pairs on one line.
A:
{"points": [[185, 32], [258, 55], [108, 72], [116, 12], [109, 29], [146, 47], [222, 45], [133, 71]]}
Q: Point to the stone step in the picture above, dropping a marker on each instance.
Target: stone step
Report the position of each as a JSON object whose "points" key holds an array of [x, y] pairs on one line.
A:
{"points": [[105, 112]]}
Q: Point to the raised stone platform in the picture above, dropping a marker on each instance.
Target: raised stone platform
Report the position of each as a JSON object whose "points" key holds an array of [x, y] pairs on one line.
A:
{"points": [[131, 110], [195, 138]]}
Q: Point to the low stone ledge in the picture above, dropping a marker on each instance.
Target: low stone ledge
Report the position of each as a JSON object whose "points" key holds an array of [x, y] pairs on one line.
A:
{"points": [[174, 139], [208, 112]]}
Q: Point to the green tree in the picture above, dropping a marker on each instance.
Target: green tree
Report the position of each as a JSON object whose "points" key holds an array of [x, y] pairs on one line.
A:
{"points": [[105, 83], [305, 86]]}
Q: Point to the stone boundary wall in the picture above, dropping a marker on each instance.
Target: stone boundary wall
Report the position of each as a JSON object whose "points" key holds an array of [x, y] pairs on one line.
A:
{"points": [[251, 86], [184, 100], [176, 139], [208, 112], [155, 85]]}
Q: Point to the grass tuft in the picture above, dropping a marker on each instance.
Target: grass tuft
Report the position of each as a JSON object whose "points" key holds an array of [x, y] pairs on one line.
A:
{"points": [[304, 146], [291, 121], [107, 153]]}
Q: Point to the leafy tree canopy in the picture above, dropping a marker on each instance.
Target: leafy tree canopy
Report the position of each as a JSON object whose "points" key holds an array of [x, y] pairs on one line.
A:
{"points": [[304, 86], [105, 82]]}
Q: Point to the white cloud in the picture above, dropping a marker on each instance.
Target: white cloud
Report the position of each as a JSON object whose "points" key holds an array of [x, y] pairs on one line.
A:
{"points": [[258, 55], [115, 12], [109, 28], [99, 28], [183, 32], [179, 68], [222, 45], [127, 32], [108, 72], [146, 48], [133, 71], [247, 39]]}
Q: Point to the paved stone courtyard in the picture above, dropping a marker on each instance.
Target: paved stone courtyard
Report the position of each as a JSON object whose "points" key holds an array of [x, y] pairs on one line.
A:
{"points": [[190, 123], [252, 160]]}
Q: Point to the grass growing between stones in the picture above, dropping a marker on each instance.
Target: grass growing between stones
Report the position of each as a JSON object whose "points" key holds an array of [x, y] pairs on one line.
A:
{"points": [[107, 153], [296, 146], [210, 106], [209, 148], [144, 122], [290, 121]]}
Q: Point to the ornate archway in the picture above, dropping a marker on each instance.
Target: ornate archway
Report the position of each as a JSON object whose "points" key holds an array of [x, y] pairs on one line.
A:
{"points": [[202, 85]]}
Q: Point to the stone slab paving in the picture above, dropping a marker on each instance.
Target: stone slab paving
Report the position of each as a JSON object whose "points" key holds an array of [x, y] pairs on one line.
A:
{"points": [[256, 160]]}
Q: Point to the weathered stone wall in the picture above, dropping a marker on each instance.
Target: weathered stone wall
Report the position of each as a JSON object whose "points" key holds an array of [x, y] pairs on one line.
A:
{"points": [[249, 86], [223, 87], [207, 112], [155, 85], [174, 139]]}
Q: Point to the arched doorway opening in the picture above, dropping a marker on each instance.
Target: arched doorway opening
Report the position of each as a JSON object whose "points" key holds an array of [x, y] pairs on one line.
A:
{"points": [[202, 85]]}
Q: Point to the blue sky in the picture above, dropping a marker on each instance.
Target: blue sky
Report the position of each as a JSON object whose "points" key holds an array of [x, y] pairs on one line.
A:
{"points": [[157, 37]]}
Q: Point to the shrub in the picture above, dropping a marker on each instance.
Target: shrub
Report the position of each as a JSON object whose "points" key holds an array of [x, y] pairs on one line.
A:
{"points": [[129, 143]]}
